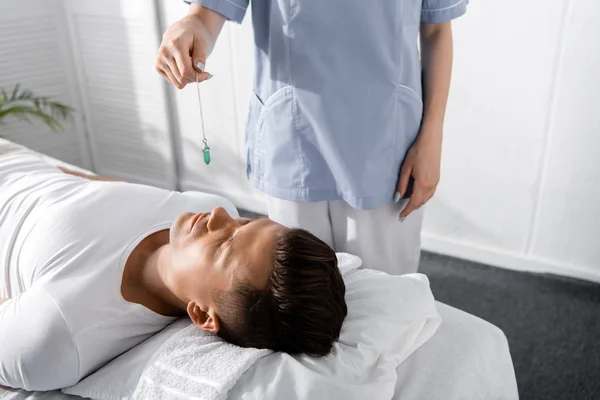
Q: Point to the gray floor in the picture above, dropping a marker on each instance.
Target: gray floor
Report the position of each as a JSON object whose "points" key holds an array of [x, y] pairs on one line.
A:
{"points": [[552, 323]]}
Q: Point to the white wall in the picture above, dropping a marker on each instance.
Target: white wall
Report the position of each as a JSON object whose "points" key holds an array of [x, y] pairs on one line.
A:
{"points": [[519, 176], [566, 225], [520, 180]]}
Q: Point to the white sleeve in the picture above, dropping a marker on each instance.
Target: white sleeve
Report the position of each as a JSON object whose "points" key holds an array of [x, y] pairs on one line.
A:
{"points": [[37, 351]]}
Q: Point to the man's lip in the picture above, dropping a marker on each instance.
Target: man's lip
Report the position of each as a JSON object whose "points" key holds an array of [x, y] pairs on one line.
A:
{"points": [[197, 218]]}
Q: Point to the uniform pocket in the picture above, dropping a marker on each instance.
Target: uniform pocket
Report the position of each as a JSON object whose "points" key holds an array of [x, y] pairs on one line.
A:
{"points": [[410, 115], [277, 147], [252, 127]]}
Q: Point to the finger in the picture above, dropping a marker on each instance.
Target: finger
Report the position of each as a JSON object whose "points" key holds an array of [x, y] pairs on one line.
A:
{"points": [[202, 76], [200, 65], [171, 78], [161, 67], [162, 73], [430, 194], [184, 66], [165, 62], [405, 173], [175, 72], [425, 195], [416, 200], [410, 207], [179, 63], [201, 73]]}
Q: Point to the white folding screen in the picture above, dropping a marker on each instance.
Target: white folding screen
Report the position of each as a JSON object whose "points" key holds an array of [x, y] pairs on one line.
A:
{"points": [[34, 53], [114, 45], [98, 57]]}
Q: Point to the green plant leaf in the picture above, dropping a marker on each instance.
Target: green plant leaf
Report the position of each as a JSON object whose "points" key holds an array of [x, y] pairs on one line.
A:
{"points": [[25, 106], [27, 95], [13, 96], [25, 113]]}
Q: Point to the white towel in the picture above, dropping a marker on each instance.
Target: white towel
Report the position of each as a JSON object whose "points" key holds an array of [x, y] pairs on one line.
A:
{"points": [[209, 374]]}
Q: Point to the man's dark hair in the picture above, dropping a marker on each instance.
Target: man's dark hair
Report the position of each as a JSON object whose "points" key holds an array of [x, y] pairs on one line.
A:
{"points": [[302, 308]]}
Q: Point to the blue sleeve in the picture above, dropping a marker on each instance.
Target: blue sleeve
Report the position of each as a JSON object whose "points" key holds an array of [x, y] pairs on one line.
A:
{"points": [[233, 10], [438, 11]]}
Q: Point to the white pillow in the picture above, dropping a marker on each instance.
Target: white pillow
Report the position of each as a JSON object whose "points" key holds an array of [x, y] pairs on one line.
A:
{"points": [[389, 317]]}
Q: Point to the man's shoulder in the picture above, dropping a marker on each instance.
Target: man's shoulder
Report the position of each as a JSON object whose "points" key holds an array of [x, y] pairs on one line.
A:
{"points": [[35, 335]]}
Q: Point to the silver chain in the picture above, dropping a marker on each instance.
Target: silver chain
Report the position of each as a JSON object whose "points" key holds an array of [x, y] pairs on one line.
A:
{"points": [[200, 107]]}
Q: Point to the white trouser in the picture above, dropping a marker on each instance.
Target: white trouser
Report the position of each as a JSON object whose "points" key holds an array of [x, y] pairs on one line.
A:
{"points": [[376, 236]]}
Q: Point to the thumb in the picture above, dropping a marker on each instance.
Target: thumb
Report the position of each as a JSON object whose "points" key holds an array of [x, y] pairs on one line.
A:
{"points": [[199, 60], [202, 75], [405, 173]]}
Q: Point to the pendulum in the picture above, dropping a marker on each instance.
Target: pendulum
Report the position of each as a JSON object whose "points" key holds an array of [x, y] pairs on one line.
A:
{"points": [[206, 152], [205, 148]]}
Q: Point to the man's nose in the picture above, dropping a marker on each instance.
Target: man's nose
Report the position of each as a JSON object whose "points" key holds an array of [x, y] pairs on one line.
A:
{"points": [[219, 219]]}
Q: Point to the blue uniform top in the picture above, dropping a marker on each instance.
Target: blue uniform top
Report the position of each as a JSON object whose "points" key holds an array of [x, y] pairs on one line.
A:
{"points": [[337, 100]]}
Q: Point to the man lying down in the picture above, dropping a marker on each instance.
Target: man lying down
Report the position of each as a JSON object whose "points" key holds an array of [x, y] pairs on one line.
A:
{"points": [[91, 268]]}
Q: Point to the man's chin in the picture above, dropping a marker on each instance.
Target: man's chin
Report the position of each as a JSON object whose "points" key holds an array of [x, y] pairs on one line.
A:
{"points": [[172, 233], [176, 228]]}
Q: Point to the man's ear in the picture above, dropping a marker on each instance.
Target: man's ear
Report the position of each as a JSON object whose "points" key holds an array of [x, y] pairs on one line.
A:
{"points": [[206, 320]]}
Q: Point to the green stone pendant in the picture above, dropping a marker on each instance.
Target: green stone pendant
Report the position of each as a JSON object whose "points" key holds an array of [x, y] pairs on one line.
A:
{"points": [[206, 152]]}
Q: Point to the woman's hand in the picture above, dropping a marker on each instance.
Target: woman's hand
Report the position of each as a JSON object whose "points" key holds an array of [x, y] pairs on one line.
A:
{"points": [[186, 45], [423, 159], [422, 163]]}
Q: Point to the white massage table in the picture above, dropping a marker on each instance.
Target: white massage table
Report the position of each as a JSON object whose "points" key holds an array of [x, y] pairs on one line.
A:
{"points": [[467, 358]]}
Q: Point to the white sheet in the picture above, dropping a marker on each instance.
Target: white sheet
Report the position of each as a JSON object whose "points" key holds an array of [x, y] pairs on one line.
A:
{"points": [[467, 359], [24, 395]]}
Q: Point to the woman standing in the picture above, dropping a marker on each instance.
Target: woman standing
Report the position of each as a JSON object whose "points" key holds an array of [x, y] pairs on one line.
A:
{"points": [[346, 114]]}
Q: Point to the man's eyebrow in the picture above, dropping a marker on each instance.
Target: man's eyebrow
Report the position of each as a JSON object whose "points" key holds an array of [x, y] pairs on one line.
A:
{"points": [[256, 219], [250, 222], [253, 220]]}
